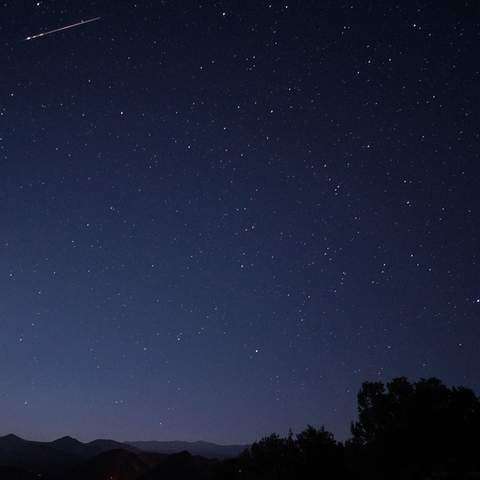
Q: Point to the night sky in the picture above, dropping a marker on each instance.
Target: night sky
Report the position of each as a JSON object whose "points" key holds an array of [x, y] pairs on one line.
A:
{"points": [[219, 218]]}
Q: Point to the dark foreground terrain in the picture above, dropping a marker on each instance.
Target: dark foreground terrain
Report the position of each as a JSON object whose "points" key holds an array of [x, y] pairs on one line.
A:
{"points": [[68, 458], [418, 431]]}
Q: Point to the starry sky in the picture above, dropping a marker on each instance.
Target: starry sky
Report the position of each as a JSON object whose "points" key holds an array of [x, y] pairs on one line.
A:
{"points": [[219, 218]]}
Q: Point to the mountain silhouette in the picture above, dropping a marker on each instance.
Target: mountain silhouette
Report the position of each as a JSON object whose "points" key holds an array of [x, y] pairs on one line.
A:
{"points": [[68, 458], [51, 458], [39, 457], [203, 449], [70, 445]]}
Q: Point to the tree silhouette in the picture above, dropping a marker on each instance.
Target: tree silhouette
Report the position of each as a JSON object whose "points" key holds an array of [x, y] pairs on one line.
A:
{"points": [[310, 454], [409, 431], [416, 430], [272, 458], [318, 453]]}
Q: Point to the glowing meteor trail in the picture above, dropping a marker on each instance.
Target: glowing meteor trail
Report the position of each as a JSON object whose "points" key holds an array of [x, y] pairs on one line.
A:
{"points": [[73, 25]]}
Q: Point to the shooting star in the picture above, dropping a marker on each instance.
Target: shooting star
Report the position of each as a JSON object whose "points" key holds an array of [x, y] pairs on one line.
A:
{"points": [[73, 25]]}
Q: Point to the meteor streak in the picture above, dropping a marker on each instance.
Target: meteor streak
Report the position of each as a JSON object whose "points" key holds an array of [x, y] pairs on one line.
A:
{"points": [[73, 25]]}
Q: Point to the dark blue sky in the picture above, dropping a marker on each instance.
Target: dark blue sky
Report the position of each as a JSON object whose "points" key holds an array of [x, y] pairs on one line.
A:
{"points": [[219, 218]]}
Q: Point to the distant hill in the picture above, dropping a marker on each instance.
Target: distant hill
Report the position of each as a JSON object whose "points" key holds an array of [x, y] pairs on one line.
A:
{"points": [[95, 447], [68, 458], [48, 458], [39, 457], [203, 449]]}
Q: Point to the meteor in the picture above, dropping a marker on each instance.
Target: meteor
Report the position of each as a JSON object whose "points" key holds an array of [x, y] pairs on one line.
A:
{"points": [[73, 25]]}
